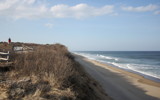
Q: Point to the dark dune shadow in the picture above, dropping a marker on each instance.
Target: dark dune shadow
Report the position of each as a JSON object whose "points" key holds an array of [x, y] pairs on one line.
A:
{"points": [[5, 69]]}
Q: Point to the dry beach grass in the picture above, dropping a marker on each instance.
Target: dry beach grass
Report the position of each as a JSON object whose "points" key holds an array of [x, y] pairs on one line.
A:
{"points": [[48, 73]]}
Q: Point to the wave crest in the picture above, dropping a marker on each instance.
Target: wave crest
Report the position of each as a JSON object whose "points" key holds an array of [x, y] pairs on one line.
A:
{"points": [[107, 57]]}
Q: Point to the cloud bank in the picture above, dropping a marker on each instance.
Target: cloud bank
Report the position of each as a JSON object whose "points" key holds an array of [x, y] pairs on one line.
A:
{"points": [[36, 9], [30, 9], [147, 8], [80, 11]]}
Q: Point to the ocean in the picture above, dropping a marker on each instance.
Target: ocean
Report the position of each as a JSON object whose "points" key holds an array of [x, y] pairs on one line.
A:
{"points": [[145, 63]]}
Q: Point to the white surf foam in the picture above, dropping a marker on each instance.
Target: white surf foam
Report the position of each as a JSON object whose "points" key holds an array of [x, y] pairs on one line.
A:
{"points": [[141, 68], [85, 55], [131, 67], [107, 57]]}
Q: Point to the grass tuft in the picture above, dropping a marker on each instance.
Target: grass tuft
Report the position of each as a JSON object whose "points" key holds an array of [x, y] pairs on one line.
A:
{"points": [[49, 72]]}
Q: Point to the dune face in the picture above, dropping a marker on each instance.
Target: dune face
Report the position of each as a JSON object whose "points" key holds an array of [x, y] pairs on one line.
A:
{"points": [[48, 72]]}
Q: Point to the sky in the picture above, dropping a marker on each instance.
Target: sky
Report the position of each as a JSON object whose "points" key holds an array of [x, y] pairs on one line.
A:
{"points": [[83, 25]]}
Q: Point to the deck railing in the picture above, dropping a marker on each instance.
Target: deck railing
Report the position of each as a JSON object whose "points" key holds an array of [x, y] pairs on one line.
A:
{"points": [[4, 56]]}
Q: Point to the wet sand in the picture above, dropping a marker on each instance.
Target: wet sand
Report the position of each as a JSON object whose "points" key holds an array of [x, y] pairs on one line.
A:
{"points": [[120, 84]]}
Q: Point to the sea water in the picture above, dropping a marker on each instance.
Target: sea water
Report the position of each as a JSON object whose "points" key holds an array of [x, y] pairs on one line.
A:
{"points": [[145, 63]]}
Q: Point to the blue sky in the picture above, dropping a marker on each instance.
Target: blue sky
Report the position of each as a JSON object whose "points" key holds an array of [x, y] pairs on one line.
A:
{"points": [[119, 25]]}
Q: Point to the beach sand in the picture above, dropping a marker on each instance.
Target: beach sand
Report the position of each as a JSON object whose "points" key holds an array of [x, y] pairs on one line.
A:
{"points": [[120, 84]]}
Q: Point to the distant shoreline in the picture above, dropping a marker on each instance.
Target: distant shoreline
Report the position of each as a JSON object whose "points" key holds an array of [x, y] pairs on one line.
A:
{"points": [[151, 78], [141, 77], [147, 76], [128, 72], [151, 88]]}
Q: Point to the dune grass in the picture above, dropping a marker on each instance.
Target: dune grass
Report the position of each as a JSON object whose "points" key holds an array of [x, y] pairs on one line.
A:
{"points": [[48, 73]]}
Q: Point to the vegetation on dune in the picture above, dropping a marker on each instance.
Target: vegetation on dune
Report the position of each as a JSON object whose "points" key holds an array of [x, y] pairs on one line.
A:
{"points": [[48, 73]]}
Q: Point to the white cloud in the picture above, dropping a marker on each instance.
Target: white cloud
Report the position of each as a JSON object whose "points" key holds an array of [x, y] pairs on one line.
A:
{"points": [[29, 1], [80, 11], [49, 25], [157, 12], [29, 9], [22, 9], [6, 4], [147, 8]]}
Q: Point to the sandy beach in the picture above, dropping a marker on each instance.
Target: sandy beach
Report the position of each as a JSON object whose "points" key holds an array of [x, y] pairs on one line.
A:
{"points": [[120, 84]]}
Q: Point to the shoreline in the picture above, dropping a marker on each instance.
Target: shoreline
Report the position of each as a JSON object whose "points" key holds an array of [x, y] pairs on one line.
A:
{"points": [[149, 77], [150, 87], [146, 76], [130, 73]]}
